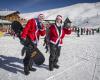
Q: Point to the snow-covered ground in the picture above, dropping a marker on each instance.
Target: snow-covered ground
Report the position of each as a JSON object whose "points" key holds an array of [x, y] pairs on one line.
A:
{"points": [[79, 60]]}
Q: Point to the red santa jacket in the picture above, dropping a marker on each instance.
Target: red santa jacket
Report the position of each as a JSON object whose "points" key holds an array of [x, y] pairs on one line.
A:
{"points": [[54, 34], [31, 30]]}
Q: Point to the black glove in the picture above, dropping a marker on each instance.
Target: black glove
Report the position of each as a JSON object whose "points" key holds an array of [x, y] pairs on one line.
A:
{"points": [[66, 25], [23, 41], [34, 44]]}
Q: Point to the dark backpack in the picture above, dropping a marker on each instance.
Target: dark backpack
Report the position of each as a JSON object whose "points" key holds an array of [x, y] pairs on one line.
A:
{"points": [[17, 27]]}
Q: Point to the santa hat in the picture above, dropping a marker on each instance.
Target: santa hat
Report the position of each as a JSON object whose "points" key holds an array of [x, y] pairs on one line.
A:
{"points": [[40, 15], [59, 16]]}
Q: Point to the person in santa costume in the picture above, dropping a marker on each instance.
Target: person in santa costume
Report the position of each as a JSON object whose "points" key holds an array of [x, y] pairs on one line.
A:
{"points": [[56, 34], [33, 29]]}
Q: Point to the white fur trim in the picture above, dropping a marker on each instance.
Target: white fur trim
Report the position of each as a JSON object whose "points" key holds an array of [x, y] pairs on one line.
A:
{"points": [[36, 31], [53, 42], [60, 45]]}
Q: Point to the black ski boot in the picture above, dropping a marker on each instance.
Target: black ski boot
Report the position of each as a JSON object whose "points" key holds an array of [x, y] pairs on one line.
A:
{"points": [[51, 66], [56, 66], [26, 70], [32, 69]]}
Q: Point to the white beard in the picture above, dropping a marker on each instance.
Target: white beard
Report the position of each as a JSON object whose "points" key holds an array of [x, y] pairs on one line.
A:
{"points": [[58, 24]]}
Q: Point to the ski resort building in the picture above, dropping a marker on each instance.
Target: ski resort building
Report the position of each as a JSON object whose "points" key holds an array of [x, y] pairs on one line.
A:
{"points": [[7, 17]]}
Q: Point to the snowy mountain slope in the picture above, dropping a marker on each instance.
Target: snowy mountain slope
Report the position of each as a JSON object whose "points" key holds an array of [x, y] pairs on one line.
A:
{"points": [[78, 13], [93, 22], [75, 12]]}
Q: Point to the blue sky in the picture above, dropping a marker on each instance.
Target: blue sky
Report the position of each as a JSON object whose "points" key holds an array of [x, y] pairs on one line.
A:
{"points": [[38, 5]]}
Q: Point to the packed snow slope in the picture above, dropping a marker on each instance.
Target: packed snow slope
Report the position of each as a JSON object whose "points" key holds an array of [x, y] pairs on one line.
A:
{"points": [[79, 60]]}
